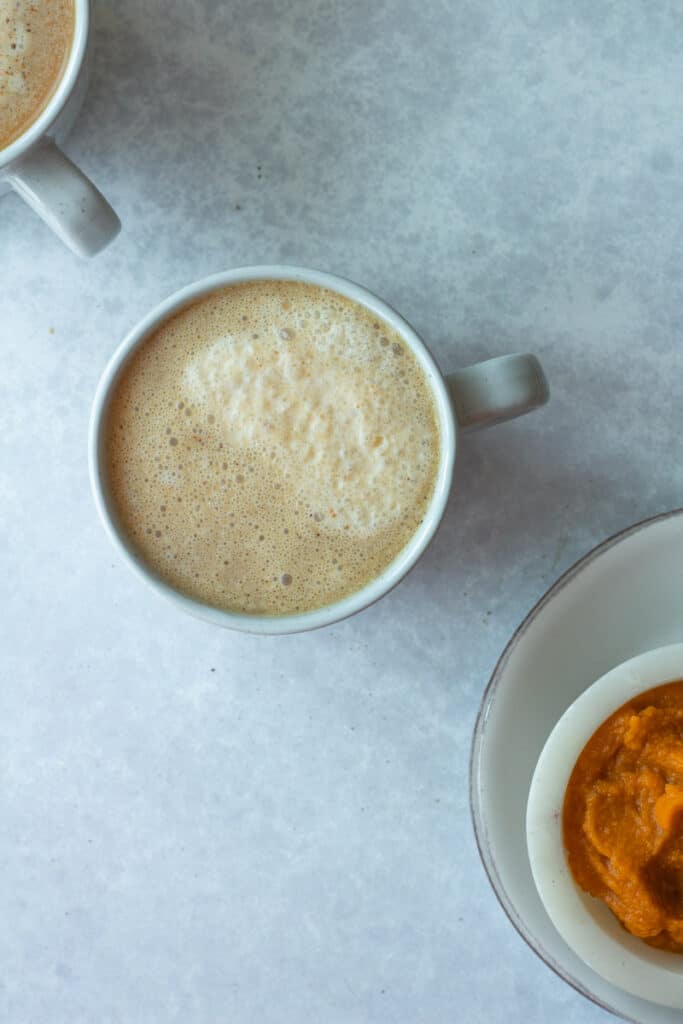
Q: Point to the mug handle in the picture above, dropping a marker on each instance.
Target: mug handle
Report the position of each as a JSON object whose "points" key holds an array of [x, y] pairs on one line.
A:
{"points": [[497, 390], [66, 200]]}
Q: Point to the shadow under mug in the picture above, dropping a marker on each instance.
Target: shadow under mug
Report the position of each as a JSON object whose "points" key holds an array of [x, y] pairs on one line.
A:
{"points": [[36, 168], [478, 396]]}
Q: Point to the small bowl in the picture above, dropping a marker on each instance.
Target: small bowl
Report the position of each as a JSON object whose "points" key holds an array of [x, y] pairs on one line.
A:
{"points": [[584, 922]]}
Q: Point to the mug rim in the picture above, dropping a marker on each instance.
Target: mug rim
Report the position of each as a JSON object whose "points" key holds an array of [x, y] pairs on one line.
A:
{"points": [[404, 560], [42, 124]]}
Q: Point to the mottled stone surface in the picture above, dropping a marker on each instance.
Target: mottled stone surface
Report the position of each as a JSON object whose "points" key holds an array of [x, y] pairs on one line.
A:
{"points": [[201, 827]]}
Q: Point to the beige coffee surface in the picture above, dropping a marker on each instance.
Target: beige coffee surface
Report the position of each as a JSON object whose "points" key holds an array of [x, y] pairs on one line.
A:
{"points": [[35, 42], [272, 448]]}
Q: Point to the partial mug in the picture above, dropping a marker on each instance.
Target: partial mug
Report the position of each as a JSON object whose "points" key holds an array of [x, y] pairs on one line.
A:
{"points": [[43, 69]]}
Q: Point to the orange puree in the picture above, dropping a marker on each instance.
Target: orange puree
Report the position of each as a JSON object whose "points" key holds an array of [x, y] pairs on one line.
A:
{"points": [[623, 816]]}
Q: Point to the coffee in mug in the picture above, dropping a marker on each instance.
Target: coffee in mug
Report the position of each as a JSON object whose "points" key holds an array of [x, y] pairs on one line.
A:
{"points": [[36, 37], [271, 448]]}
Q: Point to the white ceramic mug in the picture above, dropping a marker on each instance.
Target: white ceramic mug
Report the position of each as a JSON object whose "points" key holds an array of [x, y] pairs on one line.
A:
{"points": [[478, 396], [35, 167]]}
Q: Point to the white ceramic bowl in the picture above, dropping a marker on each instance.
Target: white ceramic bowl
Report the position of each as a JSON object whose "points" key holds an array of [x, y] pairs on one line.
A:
{"points": [[585, 923]]}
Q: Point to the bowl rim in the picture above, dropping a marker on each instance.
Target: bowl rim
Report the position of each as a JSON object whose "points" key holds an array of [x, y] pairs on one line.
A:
{"points": [[586, 924], [478, 823]]}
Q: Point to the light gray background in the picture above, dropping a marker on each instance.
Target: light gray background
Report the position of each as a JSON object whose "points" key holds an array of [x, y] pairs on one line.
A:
{"points": [[204, 827]]}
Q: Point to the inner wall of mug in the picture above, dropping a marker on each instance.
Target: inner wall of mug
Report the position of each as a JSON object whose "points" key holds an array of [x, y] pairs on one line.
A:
{"points": [[396, 569], [61, 94]]}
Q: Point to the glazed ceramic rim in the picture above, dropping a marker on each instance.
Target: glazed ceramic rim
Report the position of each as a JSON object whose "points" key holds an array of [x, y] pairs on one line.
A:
{"points": [[478, 821], [586, 924], [41, 126], [405, 559]]}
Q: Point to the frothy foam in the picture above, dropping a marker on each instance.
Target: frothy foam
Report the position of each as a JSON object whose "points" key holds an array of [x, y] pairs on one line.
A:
{"points": [[272, 447], [35, 41]]}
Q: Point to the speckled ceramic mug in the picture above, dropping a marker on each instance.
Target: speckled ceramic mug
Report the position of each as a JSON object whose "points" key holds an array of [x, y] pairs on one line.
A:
{"points": [[478, 396], [35, 167]]}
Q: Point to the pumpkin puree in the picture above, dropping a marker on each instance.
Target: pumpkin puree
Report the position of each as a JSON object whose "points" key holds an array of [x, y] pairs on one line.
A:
{"points": [[623, 816]]}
